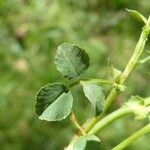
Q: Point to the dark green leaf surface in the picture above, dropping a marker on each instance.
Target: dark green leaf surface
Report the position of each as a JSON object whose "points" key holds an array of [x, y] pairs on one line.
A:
{"points": [[71, 61], [87, 142], [53, 102], [94, 93]]}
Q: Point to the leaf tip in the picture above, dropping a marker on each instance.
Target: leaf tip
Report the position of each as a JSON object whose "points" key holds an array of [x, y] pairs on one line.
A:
{"points": [[127, 9]]}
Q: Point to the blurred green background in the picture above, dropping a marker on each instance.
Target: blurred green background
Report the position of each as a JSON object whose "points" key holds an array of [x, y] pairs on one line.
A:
{"points": [[30, 32]]}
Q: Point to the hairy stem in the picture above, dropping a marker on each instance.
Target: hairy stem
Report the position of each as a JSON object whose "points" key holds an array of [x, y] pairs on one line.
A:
{"points": [[133, 137], [116, 91], [110, 118], [137, 52], [129, 67]]}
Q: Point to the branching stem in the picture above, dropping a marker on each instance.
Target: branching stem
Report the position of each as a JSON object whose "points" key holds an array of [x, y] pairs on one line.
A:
{"points": [[101, 81], [133, 137], [91, 126], [129, 67], [110, 118]]}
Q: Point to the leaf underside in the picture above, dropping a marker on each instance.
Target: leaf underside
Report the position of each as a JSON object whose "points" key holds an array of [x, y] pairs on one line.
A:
{"points": [[87, 142], [95, 95], [53, 102]]}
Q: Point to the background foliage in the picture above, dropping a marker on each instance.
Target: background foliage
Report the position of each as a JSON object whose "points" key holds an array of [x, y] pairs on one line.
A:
{"points": [[30, 31]]}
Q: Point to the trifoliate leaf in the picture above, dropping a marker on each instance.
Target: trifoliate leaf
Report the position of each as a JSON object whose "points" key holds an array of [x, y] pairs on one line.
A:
{"points": [[94, 93], [137, 15], [87, 142], [53, 102], [71, 61]]}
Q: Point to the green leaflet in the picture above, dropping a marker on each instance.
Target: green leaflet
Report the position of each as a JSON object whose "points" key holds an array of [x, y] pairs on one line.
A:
{"points": [[87, 142], [71, 61], [137, 15], [53, 102], [94, 93]]}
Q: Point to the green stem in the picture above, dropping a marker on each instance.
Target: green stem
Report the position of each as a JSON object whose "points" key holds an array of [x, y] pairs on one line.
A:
{"points": [[133, 137], [129, 67], [103, 81], [110, 118], [74, 83], [134, 59], [113, 94]]}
